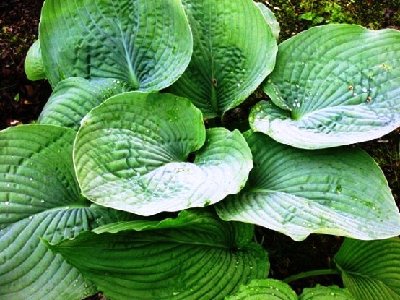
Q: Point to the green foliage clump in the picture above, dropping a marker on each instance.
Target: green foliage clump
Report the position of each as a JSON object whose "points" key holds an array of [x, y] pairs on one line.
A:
{"points": [[130, 185]]}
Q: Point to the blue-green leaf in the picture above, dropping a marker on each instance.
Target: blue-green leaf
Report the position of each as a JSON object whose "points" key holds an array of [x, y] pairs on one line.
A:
{"points": [[234, 50], [297, 192], [131, 153], [332, 85], [40, 198], [145, 43], [195, 256]]}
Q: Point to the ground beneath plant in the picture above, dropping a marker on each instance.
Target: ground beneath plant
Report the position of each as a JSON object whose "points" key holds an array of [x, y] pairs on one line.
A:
{"points": [[21, 102]]}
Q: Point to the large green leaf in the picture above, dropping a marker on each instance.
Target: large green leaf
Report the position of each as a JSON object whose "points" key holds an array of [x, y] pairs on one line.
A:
{"points": [[371, 270], [264, 289], [74, 97], [146, 43], [33, 63], [332, 85], [297, 192], [131, 153], [234, 50], [196, 256], [39, 198], [326, 293]]}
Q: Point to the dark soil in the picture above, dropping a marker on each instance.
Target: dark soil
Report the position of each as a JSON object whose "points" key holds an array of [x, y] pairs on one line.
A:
{"points": [[21, 102], [20, 99]]}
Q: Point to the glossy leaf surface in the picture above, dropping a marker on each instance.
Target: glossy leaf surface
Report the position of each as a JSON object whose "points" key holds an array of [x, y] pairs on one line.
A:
{"points": [[297, 192], [332, 85], [195, 256], [131, 153], [234, 50]]}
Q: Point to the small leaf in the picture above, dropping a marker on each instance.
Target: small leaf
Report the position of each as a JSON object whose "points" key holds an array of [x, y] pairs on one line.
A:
{"points": [[131, 153], [297, 192], [326, 293], [40, 198], [332, 85], [17, 97], [33, 63], [197, 256], [270, 289], [234, 50], [145, 43], [74, 97], [370, 270]]}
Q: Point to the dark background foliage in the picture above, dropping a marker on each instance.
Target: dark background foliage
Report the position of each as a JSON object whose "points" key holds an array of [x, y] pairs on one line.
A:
{"points": [[21, 102]]}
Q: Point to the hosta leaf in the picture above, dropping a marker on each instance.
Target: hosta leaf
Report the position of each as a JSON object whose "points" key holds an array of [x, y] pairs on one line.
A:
{"points": [[146, 43], [234, 50], [370, 270], [297, 192], [270, 289], [204, 259], [33, 63], [332, 85], [74, 97], [39, 198], [270, 18], [131, 154], [326, 293]]}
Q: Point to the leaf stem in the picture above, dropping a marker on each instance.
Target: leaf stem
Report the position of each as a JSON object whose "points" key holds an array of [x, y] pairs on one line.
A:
{"points": [[311, 273]]}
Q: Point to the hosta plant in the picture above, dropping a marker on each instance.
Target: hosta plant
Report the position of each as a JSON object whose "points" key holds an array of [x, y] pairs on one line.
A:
{"points": [[130, 185]]}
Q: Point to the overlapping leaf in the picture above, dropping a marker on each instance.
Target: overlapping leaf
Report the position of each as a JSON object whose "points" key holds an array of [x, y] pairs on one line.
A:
{"points": [[332, 85], [234, 50], [370, 270], [34, 68], [146, 43], [196, 256], [131, 153], [297, 192], [270, 289], [74, 97], [39, 198]]}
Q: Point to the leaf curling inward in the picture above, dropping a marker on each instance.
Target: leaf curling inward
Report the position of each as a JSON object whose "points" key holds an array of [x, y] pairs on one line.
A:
{"points": [[144, 43], [340, 89], [141, 166]]}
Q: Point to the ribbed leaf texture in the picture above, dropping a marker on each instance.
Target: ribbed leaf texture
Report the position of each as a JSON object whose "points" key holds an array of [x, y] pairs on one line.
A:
{"points": [[234, 50], [332, 85], [39, 198], [145, 43], [74, 97], [196, 256], [297, 192], [131, 153], [370, 270]]}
